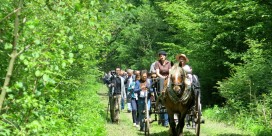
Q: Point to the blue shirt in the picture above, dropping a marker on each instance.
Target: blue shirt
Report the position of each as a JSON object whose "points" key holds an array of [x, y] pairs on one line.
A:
{"points": [[137, 88]]}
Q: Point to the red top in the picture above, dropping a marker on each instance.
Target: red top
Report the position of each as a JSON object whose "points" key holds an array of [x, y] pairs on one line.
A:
{"points": [[164, 69]]}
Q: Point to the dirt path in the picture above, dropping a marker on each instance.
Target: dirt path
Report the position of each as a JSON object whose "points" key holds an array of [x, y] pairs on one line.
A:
{"points": [[126, 128]]}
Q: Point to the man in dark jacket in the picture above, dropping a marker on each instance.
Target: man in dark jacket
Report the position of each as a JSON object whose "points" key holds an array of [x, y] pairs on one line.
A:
{"points": [[117, 88]]}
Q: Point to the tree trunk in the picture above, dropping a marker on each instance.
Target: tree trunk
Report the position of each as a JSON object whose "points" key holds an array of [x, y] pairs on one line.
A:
{"points": [[13, 56]]}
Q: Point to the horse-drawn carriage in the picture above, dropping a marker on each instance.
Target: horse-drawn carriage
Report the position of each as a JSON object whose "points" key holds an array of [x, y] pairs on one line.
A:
{"points": [[175, 98]]}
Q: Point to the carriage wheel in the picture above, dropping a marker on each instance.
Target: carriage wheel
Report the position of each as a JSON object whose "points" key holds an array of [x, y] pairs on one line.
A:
{"points": [[197, 114], [147, 119]]}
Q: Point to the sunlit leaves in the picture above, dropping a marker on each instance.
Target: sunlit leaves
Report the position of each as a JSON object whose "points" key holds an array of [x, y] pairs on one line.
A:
{"points": [[8, 46], [80, 46], [37, 42], [38, 73]]}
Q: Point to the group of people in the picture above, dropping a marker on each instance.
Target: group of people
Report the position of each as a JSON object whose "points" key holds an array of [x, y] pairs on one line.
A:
{"points": [[133, 86]]}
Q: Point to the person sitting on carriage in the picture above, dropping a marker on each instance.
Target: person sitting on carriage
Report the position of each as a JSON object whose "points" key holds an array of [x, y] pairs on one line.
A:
{"points": [[182, 60], [191, 79], [162, 67], [143, 89]]}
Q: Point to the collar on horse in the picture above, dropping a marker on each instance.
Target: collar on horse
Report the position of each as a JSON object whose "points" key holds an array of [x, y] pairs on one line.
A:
{"points": [[176, 98]]}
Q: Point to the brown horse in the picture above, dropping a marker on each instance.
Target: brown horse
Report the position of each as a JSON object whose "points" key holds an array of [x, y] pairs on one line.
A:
{"points": [[177, 99]]}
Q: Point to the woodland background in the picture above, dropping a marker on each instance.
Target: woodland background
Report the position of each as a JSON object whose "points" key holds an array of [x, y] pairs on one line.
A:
{"points": [[54, 52]]}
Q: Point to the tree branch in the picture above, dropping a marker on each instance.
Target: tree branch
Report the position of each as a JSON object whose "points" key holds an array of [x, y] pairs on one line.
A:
{"points": [[10, 14], [11, 123], [23, 50]]}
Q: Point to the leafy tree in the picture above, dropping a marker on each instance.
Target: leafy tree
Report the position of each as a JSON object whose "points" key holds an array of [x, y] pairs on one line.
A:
{"points": [[64, 40]]}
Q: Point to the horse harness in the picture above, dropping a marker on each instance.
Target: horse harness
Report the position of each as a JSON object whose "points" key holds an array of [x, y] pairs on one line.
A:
{"points": [[179, 96]]}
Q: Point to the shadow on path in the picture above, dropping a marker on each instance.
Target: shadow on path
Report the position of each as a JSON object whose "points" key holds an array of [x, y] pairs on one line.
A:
{"points": [[102, 94], [165, 133], [231, 135]]}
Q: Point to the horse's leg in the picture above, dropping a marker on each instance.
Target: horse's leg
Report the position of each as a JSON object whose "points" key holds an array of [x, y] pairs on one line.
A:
{"points": [[172, 123], [181, 123], [178, 125]]}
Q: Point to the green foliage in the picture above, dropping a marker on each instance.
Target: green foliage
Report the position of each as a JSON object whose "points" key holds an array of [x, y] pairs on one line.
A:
{"points": [[44, 96], [89, 111], [136, 40], [245, 86], [228, 44]]}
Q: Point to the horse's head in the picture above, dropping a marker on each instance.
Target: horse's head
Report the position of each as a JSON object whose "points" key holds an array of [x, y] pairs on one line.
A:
{"points": [[177, 77]]}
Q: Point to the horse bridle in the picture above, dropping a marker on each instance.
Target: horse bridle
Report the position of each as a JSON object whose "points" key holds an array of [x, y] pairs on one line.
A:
{"points": [[181, 85]]}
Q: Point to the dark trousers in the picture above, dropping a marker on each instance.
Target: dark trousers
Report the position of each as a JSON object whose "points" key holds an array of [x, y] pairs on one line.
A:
{"points": [[164, 116], [134, 107]]}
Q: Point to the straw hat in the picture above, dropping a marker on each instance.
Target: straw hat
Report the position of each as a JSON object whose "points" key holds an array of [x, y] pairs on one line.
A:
{"points": [[182, 55]]}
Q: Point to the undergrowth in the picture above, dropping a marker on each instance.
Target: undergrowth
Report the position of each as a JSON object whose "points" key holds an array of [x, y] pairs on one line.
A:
{"points": [[242, 119]]}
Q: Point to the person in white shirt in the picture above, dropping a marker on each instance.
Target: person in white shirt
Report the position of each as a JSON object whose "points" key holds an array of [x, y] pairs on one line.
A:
{"points": [[182, 59]]}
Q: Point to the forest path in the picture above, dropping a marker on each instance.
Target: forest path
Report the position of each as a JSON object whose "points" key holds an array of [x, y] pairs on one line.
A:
{"points": [[126, 128]]}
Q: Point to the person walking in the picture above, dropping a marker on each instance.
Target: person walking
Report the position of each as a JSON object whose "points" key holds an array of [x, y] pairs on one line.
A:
{"points": [[128, 83], [117, 88], [143, 88], [124, 75], [134, 101]]}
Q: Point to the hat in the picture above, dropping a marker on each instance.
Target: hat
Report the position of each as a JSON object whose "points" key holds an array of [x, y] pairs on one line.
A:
{"points": [[182, 55], [162, 53]]}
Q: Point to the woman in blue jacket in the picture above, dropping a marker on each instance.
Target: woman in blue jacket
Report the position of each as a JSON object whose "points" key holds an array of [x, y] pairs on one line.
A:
{"points": [[143, 89]]}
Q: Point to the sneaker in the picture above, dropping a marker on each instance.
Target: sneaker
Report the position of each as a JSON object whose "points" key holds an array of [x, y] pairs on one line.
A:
{"points": [[142, 128], [202, 121], [137, 126], [159, 122], [166, 125], [134, 124]]}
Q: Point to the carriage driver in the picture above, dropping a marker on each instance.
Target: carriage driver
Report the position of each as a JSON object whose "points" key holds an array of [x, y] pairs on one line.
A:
{"points": [[182, 59], [191, 80]]}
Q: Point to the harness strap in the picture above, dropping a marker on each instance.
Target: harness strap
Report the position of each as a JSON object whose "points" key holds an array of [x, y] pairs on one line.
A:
{"points": [[183, 99], [185, 96]]}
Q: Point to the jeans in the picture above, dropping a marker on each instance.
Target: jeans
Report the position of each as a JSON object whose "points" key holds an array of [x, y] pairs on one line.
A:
{"points": [[141, 108], [164, 118], [122, 104]]}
